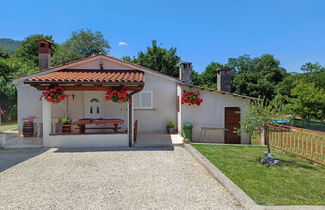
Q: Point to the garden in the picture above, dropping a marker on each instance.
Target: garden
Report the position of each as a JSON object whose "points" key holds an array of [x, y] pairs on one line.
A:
{"points": [[295, 181]]}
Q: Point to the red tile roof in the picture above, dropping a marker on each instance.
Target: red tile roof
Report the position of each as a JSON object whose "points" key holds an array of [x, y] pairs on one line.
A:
{"points": [[89, 76]]}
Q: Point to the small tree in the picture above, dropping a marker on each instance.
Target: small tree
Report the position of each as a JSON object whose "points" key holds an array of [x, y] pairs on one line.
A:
{"points": [[261, 114], [82, 43]]}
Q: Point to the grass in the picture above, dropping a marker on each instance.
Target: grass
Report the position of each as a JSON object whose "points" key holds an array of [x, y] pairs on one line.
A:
{"points": [[8, 126], [295, 182]]}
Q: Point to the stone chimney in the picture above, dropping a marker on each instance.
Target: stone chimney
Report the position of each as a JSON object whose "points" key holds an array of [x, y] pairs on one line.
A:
{"points": [[44, 53], [224, 79], [185, 72]]}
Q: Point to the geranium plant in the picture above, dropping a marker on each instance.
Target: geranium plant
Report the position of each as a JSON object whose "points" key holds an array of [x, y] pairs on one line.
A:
{"points": [[117, 95], [2, 111], [191, 98], [29, 118], [54, 94]]}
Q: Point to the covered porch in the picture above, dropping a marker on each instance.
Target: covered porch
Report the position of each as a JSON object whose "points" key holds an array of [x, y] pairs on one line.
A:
{"points": [[95, 122]]}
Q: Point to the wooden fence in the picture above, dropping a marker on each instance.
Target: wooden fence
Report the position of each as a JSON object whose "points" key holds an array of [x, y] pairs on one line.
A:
{"points": [[301, 142]]}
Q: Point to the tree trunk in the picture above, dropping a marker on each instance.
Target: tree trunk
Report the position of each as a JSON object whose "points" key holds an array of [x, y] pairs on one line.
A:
{"points": [[266, 137]]}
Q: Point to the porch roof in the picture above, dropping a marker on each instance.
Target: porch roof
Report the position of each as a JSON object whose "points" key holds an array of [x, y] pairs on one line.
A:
{"points": [[89, 76]]}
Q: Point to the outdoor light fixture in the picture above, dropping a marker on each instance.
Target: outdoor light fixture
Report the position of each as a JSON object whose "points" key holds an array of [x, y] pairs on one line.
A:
{"points": [[101, 64]]}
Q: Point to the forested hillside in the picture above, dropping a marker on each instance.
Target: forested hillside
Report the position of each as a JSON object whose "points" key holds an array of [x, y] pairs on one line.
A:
{"points": [[9, 45]]}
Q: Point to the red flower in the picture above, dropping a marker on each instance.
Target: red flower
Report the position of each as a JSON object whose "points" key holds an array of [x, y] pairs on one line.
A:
{"points": [[117, 95], [54, 94], [191, 97]]}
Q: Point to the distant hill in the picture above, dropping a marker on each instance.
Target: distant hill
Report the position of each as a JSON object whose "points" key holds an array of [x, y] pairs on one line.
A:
{"points": [[294, 73], [9, 45]]}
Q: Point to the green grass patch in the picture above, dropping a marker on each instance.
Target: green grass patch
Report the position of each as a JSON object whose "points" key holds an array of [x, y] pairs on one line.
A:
{"points": [[8, 126], [295, 182]]}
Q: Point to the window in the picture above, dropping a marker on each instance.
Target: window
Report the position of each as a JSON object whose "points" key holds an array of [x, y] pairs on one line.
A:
{"points": [[143, 100], [94, 100], [43, 45]]}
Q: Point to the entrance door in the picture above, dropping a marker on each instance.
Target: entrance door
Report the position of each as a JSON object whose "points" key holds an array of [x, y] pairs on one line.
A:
{"points": [[93, 104], [232, 121]]}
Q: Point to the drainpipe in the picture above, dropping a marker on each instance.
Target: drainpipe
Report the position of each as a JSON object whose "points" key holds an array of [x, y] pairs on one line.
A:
{"points": [[130, 115]]}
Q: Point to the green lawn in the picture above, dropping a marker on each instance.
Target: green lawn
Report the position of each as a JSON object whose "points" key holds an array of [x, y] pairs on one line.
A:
{"points": [[8, 126], [295, 182]]}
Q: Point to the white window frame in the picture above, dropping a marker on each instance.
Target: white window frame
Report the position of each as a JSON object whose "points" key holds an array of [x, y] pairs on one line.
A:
{"points": [[140, 99]]}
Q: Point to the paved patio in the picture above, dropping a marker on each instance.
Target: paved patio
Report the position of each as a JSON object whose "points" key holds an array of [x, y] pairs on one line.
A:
{"points": [[125, 178]]}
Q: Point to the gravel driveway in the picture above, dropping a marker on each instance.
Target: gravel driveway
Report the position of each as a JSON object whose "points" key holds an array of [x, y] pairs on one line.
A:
{"points": [[102, 179]]}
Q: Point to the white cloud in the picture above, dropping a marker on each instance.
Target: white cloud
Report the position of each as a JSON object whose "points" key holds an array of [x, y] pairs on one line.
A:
{"points": [[122, 44]]}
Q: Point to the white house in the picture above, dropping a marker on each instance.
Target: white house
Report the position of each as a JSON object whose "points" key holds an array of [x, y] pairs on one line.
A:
{"points": [[156, 99]]}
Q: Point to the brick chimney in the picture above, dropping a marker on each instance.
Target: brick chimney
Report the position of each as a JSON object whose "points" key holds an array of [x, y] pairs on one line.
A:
{"points": [[185, 72], [224, 79], [44, 53]]}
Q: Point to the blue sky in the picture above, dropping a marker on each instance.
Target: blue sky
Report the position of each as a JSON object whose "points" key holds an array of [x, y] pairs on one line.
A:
{"points": [[202, 30]]}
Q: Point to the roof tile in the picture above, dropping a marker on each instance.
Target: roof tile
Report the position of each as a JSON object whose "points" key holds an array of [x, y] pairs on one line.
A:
{"points": [[90, 75]]}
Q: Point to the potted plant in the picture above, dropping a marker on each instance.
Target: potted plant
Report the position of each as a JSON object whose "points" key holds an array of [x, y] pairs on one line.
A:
{"points": [[66, 124], [28, 126], [186, 141], [170, 126]]}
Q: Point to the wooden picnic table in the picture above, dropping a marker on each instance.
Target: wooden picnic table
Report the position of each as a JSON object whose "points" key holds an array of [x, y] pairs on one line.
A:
{"points": [[81, 123]]}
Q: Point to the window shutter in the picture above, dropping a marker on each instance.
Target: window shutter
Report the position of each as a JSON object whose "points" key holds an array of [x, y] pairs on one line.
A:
{"points": [[136, 100], [146, 100], [143, 100]]}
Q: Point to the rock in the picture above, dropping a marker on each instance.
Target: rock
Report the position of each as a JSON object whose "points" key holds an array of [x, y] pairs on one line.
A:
{"points": [[269, 160]]}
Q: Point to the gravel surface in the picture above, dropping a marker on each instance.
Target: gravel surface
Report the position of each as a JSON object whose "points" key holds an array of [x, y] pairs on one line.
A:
{"points": [[104, 179]]}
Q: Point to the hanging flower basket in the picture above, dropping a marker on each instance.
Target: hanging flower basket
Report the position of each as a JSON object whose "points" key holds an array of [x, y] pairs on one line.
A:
{"points": [[191, 98], [54, 94], [117, 95]]}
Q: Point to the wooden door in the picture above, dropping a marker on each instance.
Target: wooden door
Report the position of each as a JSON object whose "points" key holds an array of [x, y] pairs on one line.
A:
{"points": [[232, 121]]}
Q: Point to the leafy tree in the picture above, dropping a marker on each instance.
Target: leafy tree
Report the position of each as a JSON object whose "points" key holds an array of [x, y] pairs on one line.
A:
{"points": [[308, 101], [159, 59], [196, 78], [283, 89], [83, 43], [208, 78], [4, 53], [260, 115], [12, 68], [64, 54], [28, 48], [312, 67], [256, 77], [314, 73], [128, 59]]}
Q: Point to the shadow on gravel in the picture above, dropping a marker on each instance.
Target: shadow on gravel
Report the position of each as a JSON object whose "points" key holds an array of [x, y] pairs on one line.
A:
{"points": [[115, 149], [12, 157]]}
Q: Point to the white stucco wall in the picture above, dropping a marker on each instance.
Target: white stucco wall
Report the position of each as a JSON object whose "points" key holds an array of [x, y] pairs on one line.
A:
{"points": [[95, 65], [164, 105], [211, 113], [30, 105], [95, 140]]}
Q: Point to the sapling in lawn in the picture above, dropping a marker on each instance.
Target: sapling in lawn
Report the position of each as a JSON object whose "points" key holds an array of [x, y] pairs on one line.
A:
{"points": [[260, 116]]}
